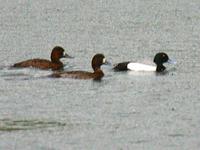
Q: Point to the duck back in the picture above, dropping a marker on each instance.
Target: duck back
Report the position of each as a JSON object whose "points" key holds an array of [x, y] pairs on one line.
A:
{"points": [[39, 63], [97, 75]]}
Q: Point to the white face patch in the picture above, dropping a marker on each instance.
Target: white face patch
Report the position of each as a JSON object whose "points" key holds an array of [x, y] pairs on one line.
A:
{"points": [[104, 60]]}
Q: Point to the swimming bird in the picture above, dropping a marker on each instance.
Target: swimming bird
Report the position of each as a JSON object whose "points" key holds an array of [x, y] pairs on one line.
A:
{"points": [[159, 60], [54, 64], [97, 61]]}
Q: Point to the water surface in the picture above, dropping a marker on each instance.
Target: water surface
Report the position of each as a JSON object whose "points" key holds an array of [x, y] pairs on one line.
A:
{"points": [[125, 110]]}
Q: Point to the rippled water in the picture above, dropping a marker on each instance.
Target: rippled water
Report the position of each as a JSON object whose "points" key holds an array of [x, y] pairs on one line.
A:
{"points": [[125, 110]]}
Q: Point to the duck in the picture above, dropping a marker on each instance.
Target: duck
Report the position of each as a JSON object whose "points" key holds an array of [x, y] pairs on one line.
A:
{"points": [[97, 61], [159, 59], [54, 64]]}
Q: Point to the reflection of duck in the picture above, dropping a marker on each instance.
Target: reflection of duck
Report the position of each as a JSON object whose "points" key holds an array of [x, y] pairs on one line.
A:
{"points": [[159, 59], [97, 61], [55, 63]]}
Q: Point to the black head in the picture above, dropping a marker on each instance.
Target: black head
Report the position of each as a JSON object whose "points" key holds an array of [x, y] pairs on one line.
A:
{"points": [[98, 60], [57, 53], [161, 58]]}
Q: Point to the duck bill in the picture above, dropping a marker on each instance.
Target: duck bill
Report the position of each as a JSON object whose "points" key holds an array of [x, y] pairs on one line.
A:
{"points": [[107, 63], [170, 61], [67, 56]]}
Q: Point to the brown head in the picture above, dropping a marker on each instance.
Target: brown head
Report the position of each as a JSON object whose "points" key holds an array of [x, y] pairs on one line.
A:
{"points": [[57, 53], [97, 61]]}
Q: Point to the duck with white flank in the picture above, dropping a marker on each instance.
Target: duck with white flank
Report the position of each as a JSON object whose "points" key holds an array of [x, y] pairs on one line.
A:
{"points": [[159, 60]]}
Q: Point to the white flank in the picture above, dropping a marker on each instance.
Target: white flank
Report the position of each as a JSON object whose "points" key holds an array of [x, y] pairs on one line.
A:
{"points": [[140, 67]]}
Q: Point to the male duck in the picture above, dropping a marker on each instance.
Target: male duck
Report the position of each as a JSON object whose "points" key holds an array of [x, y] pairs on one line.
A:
{"points": [[159, 59]]}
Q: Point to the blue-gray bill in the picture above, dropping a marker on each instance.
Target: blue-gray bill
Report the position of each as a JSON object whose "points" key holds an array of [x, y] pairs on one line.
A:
{"points": [[67, 56], [170, 61]]}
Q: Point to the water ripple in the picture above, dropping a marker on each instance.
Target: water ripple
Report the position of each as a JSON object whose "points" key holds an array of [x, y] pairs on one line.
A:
{"points": [[15, 125]]}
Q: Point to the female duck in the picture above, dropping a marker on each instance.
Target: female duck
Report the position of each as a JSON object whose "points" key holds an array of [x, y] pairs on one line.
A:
{"points": [[159, 59], [55, 63], [97, 61]]}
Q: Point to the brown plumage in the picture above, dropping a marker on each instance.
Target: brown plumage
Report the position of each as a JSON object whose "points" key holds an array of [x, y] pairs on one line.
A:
{"points": [[97, 61], [55, 63]]}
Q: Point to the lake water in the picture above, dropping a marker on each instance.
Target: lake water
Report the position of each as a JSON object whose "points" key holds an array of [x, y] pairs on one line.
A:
{"points": [[125, 110]]}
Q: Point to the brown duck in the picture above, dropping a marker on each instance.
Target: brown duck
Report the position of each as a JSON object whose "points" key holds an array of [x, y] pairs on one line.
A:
{"points": [[54, 64], [97, 61]]}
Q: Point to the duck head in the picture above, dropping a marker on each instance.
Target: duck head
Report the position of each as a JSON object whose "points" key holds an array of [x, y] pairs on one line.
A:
{"points": [[98, 60], [160, 59], [58, 53]]}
